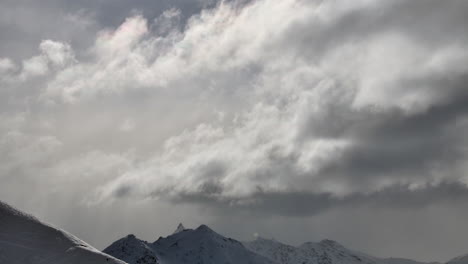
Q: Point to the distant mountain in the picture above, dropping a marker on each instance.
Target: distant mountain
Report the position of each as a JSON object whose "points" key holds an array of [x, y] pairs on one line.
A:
{"points": [[199, 246], [26, 240], [324, 252], [133, 250], [204, 246], [459, 260]]}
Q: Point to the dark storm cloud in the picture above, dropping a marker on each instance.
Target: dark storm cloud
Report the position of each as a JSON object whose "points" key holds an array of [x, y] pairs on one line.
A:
{"points": [[406, 146], [425, 24], [301, 204]]}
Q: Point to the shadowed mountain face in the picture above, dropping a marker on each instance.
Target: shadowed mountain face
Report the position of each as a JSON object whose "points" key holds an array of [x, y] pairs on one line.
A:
{"points": [[26, 240]]}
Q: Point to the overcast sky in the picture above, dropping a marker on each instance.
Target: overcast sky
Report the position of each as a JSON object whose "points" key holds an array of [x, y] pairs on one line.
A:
{"points": [[294, 119]]}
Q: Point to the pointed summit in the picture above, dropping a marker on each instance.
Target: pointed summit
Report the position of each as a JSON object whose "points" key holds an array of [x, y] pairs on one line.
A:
{"points": [[204, 228], [179, 229]]}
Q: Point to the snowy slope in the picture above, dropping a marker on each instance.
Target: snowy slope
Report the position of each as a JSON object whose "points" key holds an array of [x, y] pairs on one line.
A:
{"points": [[204, 246], [405, 261], [326, 251], [133, 250], [26, 240], [459, 260], [199, 246], [323, 252]]}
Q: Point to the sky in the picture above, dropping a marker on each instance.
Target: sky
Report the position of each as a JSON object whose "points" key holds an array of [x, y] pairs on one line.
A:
{"points": [[297, 120]]}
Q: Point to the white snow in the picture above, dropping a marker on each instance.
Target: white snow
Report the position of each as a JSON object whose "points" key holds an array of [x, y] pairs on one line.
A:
{"points": [[26, 240], [459, 260], [204, 246], [326, 251], [133, 250], [201, 245], [323, 252]]}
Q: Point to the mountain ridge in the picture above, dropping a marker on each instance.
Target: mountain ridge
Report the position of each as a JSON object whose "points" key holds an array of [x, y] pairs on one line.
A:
{"points": [[188, 245], [200, 245], [24, 239]]}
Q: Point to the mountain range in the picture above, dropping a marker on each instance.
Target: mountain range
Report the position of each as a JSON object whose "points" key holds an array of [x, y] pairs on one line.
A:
{"points": [[26, 240], [203, 245]]}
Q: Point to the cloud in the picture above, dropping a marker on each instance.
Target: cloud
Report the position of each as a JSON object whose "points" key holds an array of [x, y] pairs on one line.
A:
{"points": [[341, 108], [6, 65], [59, 54], [363, 115], [303, 204]]}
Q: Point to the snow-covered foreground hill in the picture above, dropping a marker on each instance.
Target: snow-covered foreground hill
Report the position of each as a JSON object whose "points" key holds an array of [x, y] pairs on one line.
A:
{"points": [[26, 240]]}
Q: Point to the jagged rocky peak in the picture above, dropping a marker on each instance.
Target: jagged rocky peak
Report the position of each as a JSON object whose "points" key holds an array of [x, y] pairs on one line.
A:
{"points": [[179, 228]]}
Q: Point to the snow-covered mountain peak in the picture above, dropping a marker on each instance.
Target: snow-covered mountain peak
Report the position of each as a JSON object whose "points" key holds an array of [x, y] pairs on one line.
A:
{"points": [[260, 242], [204, 246], [131, 236], [324, 252], [204, 228], [201, 245], [459, 260], [330, 242], [179, 228], [327, 243], [132, 250], [323, 245]]}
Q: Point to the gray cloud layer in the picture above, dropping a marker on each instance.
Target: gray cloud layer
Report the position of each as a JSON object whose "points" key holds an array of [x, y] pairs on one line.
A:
{"points": [[289, 109]]}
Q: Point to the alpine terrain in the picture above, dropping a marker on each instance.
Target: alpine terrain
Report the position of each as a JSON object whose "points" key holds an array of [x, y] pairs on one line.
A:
{"points": [[26, 240]]}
